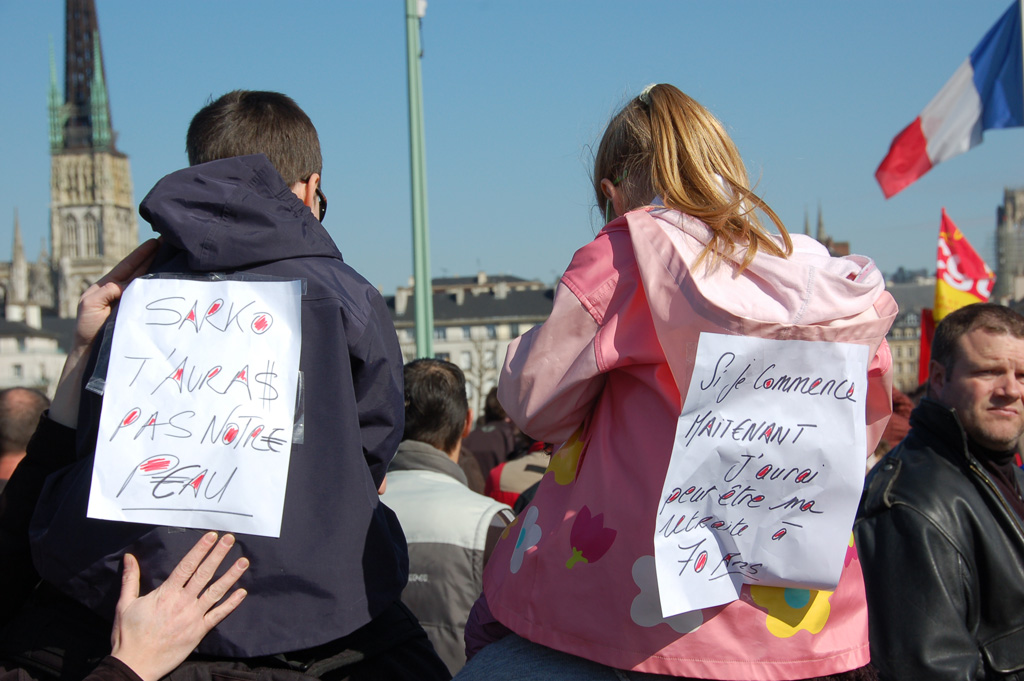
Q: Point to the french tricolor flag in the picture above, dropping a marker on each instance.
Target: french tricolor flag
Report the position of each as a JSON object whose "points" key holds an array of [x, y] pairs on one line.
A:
{"points": [[986, 92]]}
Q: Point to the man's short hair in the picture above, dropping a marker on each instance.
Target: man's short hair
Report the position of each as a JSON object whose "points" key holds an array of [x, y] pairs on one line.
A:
{"points": [[20, 409], [493, 411], [245, 122], [988, 316], [435, 403]]}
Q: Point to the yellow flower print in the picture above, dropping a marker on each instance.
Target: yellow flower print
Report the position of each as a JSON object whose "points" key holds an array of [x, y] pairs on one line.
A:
{"points": [[565, 461], [790, 610], [508, 528]]}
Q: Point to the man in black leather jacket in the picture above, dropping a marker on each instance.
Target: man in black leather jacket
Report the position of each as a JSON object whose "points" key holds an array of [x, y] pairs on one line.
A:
{"points": [[939, 528]]}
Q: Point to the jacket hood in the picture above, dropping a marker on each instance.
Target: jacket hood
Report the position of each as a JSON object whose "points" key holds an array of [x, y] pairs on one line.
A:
{"points": [[809, 296], [234, 213], [808, 288]]}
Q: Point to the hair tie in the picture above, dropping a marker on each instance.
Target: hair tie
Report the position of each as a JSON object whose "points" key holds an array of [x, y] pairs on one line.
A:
{"points": [[645, 94]]}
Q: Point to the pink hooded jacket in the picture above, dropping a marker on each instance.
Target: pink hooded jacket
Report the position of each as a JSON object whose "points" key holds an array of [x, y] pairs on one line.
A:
{"points": [[604, 374]]}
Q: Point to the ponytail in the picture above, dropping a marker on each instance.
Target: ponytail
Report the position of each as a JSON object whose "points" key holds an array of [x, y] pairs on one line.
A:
{"points": [[663, 143]]}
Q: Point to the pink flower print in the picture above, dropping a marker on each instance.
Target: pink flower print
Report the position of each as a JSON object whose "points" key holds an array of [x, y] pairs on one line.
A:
{"points": [[589, 538]]}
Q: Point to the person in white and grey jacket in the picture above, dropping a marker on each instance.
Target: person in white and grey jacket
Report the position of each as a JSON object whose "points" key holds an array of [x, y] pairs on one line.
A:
{"points": [[449, 528]]}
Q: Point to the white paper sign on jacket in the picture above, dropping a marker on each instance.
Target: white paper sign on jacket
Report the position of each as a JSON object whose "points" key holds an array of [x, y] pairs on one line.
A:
{"points": [[766, 470], [199, 403]]}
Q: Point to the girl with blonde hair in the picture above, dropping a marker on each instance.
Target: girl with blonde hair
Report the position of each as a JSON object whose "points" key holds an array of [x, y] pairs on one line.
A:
{"points": [[574, 586]]}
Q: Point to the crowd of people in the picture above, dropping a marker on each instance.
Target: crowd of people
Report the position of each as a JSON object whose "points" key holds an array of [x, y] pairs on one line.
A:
{"points": [[415, 546]]}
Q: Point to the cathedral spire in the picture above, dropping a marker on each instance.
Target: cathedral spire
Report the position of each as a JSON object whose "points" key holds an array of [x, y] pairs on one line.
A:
{"points": [[88, 111], [58, 113], [92, 212], [822, 237], [18, 292], [101, 137]]}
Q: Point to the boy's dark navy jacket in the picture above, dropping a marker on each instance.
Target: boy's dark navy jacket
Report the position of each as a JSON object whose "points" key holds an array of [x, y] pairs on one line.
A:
{"points": [[341, 557]]}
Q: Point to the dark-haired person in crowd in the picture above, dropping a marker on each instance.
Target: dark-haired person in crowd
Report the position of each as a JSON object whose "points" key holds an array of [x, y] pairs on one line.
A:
{"points": [[523, 471], [451, 530], [941, 524], [20, 409], [324, 596], [496, 439]]}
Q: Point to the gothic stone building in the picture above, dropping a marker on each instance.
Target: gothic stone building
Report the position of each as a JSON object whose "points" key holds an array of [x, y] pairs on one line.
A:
{"points": [[92, 210]]}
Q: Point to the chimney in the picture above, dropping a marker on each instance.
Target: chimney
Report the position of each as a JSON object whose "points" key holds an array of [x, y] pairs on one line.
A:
{"points": [[14, 312], [402, 300], [501, 290], [481, 277], [34, 316], [460, 295]]}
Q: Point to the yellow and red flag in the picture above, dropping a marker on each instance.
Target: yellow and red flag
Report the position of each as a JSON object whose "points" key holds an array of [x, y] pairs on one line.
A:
{"points": [[963, 277]]}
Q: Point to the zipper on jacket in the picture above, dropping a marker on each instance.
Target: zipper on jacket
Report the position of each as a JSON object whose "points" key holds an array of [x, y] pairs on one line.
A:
{"points": [[995, 490], [972, 462]]}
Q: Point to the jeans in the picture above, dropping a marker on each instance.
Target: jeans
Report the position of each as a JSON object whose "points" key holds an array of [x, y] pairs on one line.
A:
{"points": [[513, 658]]}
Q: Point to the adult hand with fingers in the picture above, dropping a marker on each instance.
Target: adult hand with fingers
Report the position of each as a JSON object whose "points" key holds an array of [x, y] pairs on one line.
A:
{"points": [[155, 633], [93, 310], [95, 304]]}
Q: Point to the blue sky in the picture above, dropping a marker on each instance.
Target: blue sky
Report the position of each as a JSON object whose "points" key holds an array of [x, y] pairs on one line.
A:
{"points": [[515, 96]]}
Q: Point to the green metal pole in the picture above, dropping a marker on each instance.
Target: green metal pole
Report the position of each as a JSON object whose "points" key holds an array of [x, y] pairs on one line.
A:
{"points": [[423, 293]]}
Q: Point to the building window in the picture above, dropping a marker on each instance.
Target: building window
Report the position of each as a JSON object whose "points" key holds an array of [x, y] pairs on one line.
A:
{"points": [[513, 330], [466, 359], [71, 236], [440, 333], [467, 332], [18, 372], [492, 332], [490, 360], [446, 356], [92, 237]]}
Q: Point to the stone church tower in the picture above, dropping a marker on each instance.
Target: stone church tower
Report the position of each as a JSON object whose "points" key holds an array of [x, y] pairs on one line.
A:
{"points": [[92, 210], [1009, 284]]}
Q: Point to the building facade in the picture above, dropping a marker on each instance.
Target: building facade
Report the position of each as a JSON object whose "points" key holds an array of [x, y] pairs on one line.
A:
{"points": [[30, 357], [1009, 284], [904, 336], [475, 318], [93, 223], [92, 210]]}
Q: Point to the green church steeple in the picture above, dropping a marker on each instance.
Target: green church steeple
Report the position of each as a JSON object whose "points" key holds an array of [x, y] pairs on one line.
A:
{"points": [[100, 111], [58, 112]]}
